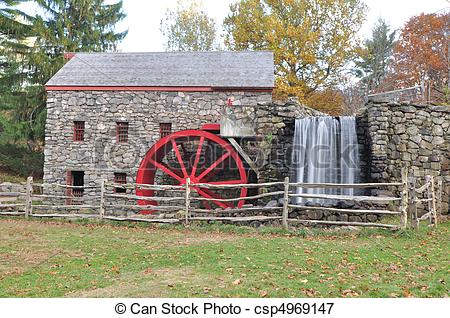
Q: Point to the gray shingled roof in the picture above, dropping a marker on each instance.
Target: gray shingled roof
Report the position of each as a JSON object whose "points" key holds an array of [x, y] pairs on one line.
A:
{"points": [[205, 69]]}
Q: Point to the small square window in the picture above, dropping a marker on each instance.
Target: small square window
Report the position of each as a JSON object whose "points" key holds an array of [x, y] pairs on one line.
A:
{"points": [[78, 130], [165, 129], [120, 178], [122, 132]]}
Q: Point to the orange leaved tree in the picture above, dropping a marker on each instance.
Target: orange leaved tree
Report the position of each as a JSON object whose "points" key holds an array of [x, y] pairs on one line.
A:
{"points": [[421, 55], [312, 41]]}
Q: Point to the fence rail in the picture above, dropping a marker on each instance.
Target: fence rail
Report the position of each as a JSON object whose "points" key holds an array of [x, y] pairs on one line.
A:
{"points": [[185, 208]]}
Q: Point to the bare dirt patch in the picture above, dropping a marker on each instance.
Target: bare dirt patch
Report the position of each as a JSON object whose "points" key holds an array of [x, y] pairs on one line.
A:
{"points": [[158, 283]]}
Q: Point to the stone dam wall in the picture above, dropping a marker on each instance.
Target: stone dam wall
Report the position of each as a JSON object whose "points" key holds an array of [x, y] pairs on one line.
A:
{"points": [[396, 135]]}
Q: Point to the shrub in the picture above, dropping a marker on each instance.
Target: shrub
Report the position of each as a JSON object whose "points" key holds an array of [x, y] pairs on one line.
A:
{"points": [[20, 161]]}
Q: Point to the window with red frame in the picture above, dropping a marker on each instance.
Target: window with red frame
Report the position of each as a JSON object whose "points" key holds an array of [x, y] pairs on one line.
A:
{"points": [[165, 129], [122, 132], [78, 130], [120, 178]]}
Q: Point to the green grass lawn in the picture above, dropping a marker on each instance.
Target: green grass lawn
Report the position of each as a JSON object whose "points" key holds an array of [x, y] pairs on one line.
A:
{"points": [[62, 259]]}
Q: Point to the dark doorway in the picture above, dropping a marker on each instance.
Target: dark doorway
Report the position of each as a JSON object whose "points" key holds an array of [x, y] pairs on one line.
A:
{"points": [[75, 179]]}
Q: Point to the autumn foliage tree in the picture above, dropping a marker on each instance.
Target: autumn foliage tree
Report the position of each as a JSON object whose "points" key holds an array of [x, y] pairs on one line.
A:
{"points": [[328, 100], [422, 52], [311, 39], [188, 28]]}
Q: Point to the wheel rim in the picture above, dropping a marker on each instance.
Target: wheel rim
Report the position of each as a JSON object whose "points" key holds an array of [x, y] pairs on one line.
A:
{"points": [[183, 155]]}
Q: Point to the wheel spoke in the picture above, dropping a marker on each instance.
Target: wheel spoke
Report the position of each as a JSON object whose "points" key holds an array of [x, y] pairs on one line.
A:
{"points": [[211, 195], [180, 160], [214, 172], [197, 156], [215, 164], [166, 170]]}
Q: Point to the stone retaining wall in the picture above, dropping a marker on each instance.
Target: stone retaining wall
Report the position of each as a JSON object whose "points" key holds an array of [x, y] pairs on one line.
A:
{"points": [[13, 187], [275, 125], [406, 135]]}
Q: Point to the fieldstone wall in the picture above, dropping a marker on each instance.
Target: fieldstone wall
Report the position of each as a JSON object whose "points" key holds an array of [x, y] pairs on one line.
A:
{"points": [[415, 136], [275, 125], [13, 187], [100, 155]]}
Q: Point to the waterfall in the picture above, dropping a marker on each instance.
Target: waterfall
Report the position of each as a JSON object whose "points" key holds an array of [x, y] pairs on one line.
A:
{"points": [[325, 151]]}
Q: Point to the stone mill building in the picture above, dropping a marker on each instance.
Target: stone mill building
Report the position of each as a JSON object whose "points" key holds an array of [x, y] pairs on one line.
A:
{"points": [[105, 110]]}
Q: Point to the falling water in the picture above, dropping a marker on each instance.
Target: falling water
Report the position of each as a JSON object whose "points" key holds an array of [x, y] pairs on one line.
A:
{"points": [[325, 151]]}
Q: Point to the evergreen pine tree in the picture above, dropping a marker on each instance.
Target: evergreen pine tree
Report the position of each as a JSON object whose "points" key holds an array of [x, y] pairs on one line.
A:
{"points": [[372, 65], [63, 26], [13, 67]]}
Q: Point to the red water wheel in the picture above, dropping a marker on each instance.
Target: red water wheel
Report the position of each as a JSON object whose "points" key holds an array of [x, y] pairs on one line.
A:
{"points": [[200, 156]]}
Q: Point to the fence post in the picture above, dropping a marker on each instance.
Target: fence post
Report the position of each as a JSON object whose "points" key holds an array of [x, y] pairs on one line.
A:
{"points": [[102, 199], [404, 195], [187, 199], [412, 211], [286, 203], [439, 196], [29, 199], [432, 203], [430, 213]]}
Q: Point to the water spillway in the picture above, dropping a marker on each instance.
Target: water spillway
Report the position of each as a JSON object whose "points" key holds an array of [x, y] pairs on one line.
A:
{"points": [[325, 150]]}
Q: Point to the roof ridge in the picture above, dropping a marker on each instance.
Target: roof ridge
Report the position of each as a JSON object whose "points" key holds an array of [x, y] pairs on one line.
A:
{"points": [[173, 52]]}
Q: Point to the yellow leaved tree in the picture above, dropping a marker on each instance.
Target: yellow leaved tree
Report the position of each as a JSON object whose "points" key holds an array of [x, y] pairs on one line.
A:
{"points": [[311, 39]]}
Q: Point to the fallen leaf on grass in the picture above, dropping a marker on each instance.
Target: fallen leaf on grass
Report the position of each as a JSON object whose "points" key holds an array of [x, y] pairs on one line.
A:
{"points": [[263, 293], [406, 293], [237, 282], [349, 293], [393, 268], [115, 269], [309, 292]]}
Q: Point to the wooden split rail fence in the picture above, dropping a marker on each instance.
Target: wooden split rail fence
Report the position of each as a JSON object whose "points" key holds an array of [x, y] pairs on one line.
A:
{"points": [[428, 196], [179, 207]]}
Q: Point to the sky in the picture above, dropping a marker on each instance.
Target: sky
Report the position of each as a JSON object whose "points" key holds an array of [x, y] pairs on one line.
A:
{"points": [[144, 17]]}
